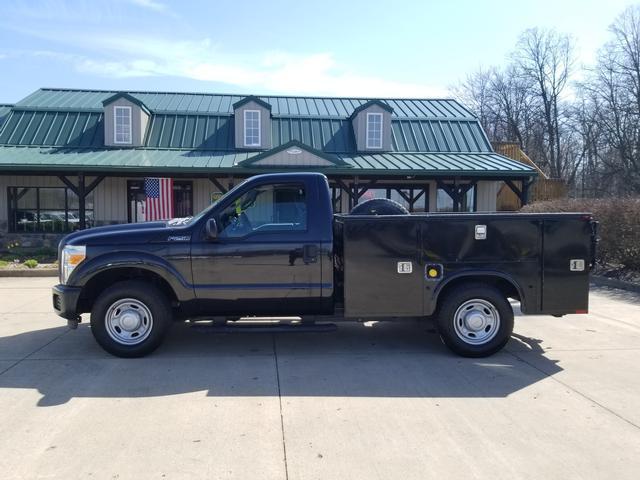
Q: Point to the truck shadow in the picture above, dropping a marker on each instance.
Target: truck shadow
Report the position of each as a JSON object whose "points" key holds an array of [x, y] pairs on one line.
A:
{"points": [[383, 360]]}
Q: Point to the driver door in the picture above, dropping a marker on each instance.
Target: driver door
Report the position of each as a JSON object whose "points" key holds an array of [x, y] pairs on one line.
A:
{"points": [[265, 258]]}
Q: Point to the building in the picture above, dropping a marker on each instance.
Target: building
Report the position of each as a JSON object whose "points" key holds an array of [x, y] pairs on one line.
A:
{"points": [[72, 159]]}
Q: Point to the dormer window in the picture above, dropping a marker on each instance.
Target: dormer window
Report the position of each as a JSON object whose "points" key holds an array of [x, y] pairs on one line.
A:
{"points": [[122, 125], [252, 128], [371, 123], [374, 130], [252, 123]]}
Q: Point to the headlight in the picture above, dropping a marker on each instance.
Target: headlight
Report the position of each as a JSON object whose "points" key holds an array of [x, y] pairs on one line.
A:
{"points": [[72, 256]]}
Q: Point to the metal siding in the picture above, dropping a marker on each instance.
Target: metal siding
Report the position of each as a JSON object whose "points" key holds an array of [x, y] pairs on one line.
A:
{"points": [[487, 193], [110, 200]]}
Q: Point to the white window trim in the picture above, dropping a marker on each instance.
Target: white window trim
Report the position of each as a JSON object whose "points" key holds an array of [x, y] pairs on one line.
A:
{"points": [[369, 139], [115, 108], [244, 129]]}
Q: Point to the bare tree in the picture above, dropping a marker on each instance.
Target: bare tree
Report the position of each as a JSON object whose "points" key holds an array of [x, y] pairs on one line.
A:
{"points": [[474, 92], [615, 84], [544, 57], [586, 133]]}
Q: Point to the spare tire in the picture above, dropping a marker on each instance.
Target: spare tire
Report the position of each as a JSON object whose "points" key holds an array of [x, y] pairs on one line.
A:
{"points": [[379, 206]]}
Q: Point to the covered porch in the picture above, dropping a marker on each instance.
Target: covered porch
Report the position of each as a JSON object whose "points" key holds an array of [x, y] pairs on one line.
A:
{"points": [[51, 191]]}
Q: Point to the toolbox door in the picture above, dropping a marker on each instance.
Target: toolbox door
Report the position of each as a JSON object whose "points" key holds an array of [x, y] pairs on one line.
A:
{"points": [[383, 270], [566, 260]]}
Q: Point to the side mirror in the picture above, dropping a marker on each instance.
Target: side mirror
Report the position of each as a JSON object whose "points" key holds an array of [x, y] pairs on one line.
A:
{"points": [[212, 229]]}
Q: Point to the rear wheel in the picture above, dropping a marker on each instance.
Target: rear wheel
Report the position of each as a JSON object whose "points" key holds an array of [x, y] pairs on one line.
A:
{"points": [[130, 319], [475, 320]]}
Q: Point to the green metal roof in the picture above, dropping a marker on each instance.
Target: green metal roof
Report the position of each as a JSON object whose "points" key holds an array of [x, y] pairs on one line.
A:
{"points": [[222, 104], [189, 133], [5, 108], [208, 132], [74, 129], [206, 162]]}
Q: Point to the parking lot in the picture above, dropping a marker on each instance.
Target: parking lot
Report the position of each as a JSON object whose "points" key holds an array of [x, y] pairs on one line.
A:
{"points": [[366, 402]]}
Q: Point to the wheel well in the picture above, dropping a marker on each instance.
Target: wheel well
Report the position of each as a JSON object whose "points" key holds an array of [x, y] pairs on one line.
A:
{"points": [[104, 280], [507, 288]]}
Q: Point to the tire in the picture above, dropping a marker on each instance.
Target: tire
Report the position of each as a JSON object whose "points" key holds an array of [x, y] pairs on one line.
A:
{"points": [[140, 319], [379, 206], [485, 327]]}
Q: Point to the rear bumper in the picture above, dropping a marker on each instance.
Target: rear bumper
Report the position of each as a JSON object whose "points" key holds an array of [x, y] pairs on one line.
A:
{"points": [[65, 301]]}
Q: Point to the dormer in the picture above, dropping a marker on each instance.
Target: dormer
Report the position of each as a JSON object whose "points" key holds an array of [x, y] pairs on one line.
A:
{"points": [[125, 121], [252, 123], [371, 123]]}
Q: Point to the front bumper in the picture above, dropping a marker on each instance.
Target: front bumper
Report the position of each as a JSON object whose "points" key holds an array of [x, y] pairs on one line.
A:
{"points": [[65, 301]]}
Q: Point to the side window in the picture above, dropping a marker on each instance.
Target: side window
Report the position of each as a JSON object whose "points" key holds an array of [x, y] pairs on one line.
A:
{"points": [[266, 208]]}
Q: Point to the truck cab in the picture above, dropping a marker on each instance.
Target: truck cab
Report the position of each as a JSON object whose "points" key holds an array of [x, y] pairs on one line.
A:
{"points": [[266, 249]]}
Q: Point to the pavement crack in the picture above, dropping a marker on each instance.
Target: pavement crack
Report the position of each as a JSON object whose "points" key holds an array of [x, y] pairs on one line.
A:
{"points": [[583, 395], [284, 443], [35, 351]]}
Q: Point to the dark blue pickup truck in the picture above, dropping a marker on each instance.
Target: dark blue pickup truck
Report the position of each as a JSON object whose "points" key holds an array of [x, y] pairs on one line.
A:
{"points": [[273, 247]]}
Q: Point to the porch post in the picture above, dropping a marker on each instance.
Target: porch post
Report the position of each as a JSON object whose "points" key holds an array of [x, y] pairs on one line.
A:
{"points": [[526, 183], [82, 209]]}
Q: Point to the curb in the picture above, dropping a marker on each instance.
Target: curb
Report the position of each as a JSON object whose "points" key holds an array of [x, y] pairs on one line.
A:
{"points": [[614, 283], [36, 272]]}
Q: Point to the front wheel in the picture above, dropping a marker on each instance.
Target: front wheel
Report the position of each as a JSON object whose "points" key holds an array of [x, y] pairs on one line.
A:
{"points": [[475, 320], [130, 319]]}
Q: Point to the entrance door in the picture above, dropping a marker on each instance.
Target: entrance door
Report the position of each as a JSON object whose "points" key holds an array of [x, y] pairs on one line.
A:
{"points": [[266, 257]]}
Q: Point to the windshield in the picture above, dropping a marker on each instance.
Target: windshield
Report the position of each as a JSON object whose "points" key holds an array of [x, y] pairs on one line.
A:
{"points": [[205, 212]]}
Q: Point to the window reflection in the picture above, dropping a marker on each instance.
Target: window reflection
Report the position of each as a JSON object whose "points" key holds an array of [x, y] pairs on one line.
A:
{"points": [[46, 210]]}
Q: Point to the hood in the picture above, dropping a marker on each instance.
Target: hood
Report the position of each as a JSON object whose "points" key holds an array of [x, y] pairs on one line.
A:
{"points": [[128, 233]]}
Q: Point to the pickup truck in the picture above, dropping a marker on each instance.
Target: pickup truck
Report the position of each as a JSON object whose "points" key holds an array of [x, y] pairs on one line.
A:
{"points": [[272, 247]]}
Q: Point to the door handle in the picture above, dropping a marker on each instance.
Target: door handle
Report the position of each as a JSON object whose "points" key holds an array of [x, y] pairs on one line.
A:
{"points": [[310, 254]]}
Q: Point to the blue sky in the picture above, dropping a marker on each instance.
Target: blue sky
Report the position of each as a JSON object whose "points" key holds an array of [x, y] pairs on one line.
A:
{"points": [[358, 48]]}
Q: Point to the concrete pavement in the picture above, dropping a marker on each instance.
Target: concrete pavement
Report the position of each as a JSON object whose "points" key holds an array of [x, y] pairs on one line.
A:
{"points": [[380, 402]]}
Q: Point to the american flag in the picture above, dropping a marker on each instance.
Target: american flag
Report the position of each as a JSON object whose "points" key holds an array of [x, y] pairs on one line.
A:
{"points": [[159, 202]]}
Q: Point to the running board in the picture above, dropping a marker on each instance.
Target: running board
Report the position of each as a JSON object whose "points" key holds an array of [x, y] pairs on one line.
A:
{"points": [[262, 328]]}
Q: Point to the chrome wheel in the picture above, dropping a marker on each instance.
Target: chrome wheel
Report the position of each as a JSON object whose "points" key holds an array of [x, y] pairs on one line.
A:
{"points": [[128, 321], [476, 321]]}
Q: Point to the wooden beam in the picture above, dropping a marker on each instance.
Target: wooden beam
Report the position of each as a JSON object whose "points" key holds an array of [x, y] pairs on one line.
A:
{"points": [[94, 184], [344, 187], [513, 187], [366, 187], [456, 191], [217, 184], [417, 197], [403, 195], [22, 193], [525, 190], [69, 184]]}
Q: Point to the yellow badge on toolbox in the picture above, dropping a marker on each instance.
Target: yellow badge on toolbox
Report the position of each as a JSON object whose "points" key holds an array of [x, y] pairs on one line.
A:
{"points": [[433, 271]]}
